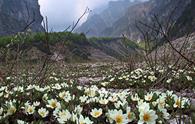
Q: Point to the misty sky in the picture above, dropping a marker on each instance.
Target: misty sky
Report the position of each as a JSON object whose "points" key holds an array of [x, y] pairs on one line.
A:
{"points": [[62, 13]]}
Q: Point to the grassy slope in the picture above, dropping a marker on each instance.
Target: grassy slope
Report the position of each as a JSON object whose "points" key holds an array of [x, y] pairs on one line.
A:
{"points": [[77, 44]]}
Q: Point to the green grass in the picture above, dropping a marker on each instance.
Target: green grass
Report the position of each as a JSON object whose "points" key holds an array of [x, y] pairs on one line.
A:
{"points": [[5, 40], [37, 37], [130, 43], [67, 37], [95, 39], [146, 46]]}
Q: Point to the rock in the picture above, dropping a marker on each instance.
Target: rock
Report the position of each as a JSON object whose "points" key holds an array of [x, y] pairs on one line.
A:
{"points": [[101, 20], [17, 14], [193, 118], [193, 104], [113, 22], [1, 76], [57, 57], [86, 80], [187, 120]]}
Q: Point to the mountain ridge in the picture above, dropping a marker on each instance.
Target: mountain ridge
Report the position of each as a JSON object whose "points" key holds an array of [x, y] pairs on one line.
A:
{"points": [[96, 23], [16, 15], [144, 11]]}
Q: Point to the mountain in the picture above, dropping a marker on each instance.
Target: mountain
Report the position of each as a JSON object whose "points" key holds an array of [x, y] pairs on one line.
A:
{"points": [[167, 53], [16, 15], [164, 10], [99, 21], [186, 22], [179, 12]]}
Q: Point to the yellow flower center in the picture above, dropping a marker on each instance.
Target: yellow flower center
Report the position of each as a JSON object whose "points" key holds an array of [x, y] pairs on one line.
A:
{"points": [[54, 104], [149, 98], [119, 119], [162, 103], [42, 114], [97, 114], [12, 110], [30, 110], [81, 123], [129, 115], [178, 103], [62, 114], [146, 117]]}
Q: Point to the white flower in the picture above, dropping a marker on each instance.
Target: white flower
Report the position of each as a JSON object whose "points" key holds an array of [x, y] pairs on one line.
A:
{"points": [[83, 120], [90, 92], [53, 103], [57, 86], [104, 83], [29, 109], [118, 117], [154, 103], [103, 101], [189, 78], [148, 96], [96, 112], [74, 117], [161, 71], [8, 78], [45, 97], [30, 87], [40, 89], [62, 95], [113, 98], [112, 79], [169, 93], [66, 96], [178, 102], [160, 122], [6, 95], [78, 109], [1, 111], [169, 80], [63, 116], [166, 115], [21, 122], [130, 114], [152, 78], [148, 117], [143, 106], [83, 98], [135, 97], [2, 88], [36, 103], [161, 103], [43, 112], [79, 87], [118, 104], [11, 110], [1, 94]]}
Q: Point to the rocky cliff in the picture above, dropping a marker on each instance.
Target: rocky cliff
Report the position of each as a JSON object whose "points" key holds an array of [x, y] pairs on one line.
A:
{"points": [[186, 22], [98, 22], [180, 12], [165, 10], [15, 15]]}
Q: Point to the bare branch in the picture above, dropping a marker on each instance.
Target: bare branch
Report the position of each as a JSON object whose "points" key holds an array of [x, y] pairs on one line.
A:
{"points": [[87, 10]]}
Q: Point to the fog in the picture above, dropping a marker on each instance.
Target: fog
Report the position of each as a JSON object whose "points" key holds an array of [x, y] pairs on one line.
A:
{"points": [[62, 13]]}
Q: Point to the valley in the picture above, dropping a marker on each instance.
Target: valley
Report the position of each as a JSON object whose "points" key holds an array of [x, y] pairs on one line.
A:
{"points": [[129, 62]]}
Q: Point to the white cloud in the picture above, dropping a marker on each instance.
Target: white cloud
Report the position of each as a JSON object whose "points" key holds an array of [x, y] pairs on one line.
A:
{"points": [[62, 13]]}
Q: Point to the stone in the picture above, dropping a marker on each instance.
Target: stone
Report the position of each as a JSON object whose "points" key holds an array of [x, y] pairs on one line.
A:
{"points": [[15, 15]]}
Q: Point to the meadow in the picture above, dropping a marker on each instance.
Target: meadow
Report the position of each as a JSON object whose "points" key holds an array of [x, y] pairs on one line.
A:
{"points": [[98, 93]]}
